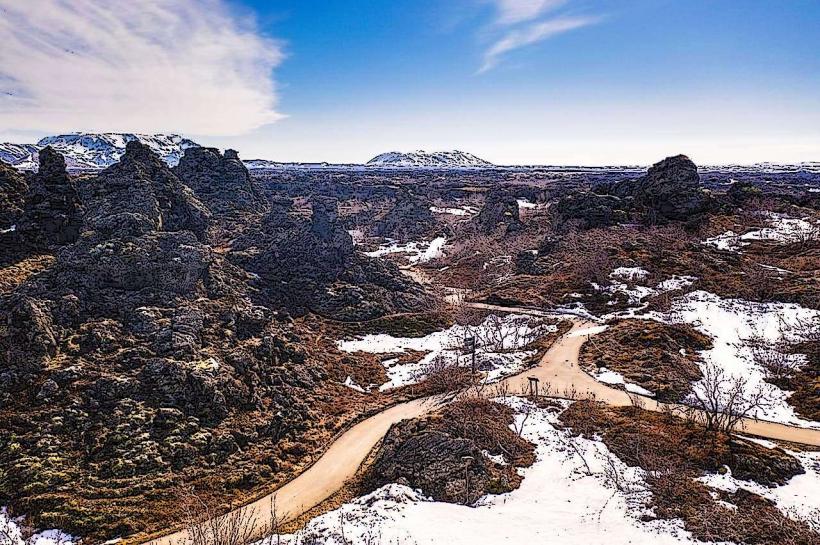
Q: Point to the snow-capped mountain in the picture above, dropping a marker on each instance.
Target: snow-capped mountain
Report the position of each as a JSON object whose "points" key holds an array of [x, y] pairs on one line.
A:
{"points": [[425, 159], [94, 151], [19, 155]]}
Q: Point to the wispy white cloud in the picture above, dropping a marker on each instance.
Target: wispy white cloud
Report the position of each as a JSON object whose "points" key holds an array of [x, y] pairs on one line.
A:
{"points": [[527, 22], [190, 66], [516, 11]]}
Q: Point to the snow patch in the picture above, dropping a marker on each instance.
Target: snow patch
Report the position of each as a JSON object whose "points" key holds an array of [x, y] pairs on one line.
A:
{"points": [[417, 252], [11, 533], [501, 348], [731, 323]]}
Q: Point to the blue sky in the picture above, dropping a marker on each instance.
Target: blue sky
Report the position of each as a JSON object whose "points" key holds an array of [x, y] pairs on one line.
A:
{"points": [[514, 81]]}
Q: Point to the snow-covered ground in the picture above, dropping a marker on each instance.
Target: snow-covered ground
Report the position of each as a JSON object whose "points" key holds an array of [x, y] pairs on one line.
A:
{"points": [[11, 533], [501, 348], [417, 252], [732, 324], [462, 211], [567, 497], [611, 377], [631, 282], [782, 230]]}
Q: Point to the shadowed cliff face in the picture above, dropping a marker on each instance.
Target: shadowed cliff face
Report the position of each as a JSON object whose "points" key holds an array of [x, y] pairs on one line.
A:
{"points": [[500, 211], [13, 189], [53, 212]]}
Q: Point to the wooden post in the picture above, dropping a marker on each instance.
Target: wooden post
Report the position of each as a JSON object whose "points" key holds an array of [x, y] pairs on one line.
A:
{"points": [[533, 387], [469, 345]]}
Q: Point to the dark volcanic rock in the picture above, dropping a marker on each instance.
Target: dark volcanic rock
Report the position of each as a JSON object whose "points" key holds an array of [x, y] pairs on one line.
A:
{"points": [[409, 218], [138, 195], [313, 266], [591, 210], [670, 191], [767, 466], [13, 189], [222, 183], [443, 454], [139, 353], [740, 192], [500, 211], [53, 213]]}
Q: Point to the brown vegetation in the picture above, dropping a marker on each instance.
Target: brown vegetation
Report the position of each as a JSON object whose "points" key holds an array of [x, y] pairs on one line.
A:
{"points": [[445, 454], [674, 451], [661, 358]]}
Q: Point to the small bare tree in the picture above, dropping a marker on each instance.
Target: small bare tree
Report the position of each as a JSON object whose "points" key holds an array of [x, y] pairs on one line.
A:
{"points": [[204, 526], [722, 401]]}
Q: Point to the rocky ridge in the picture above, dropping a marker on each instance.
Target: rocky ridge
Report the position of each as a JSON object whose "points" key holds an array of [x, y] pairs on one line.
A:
{"points": [[141, 359]]}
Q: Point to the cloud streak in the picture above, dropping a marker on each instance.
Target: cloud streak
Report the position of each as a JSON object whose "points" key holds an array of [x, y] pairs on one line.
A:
{"points": [[524, 25], [149, 66], [515, 11]]}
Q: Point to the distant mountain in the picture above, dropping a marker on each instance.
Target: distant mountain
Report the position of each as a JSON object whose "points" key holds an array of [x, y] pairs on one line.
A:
{"points": [[425, 159], [94, 151]]}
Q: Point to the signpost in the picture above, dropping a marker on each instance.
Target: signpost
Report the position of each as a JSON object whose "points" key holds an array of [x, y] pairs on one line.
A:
{"points": [[469, 346]]}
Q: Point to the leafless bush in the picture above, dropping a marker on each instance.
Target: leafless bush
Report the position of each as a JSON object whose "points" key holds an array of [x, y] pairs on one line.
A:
{"points": [[205, 526], [20, 532], [773, 357], [723, 401], [806, 329], [443, 375]]}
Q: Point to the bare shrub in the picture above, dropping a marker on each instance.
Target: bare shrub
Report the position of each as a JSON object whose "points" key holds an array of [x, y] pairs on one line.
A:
{"points": [[774, 358], [205, 526], [723, 401]]}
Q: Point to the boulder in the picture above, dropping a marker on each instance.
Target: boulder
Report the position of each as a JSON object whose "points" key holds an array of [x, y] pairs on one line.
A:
{"points": [[670, 191]]}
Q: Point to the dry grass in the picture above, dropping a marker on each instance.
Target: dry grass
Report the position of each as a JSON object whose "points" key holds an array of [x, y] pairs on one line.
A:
{"points": [[674, 452]]}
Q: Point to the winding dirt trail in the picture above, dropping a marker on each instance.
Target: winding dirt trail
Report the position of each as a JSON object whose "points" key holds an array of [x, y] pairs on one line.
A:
{"points": [[558, 368]]}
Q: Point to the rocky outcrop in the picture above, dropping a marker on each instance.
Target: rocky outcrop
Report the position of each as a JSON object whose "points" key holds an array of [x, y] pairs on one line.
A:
{"points": [[138, 195], [140, 356], [313, 266], [591, 210], [500, 212], [445, 455], [740, 193], [410, 218], [767, 466], [670, 191], [221, 182], [53, 212], [13, 189]]}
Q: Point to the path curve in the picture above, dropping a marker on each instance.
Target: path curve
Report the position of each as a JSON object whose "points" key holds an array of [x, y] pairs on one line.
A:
{"points": [[558, 368]]}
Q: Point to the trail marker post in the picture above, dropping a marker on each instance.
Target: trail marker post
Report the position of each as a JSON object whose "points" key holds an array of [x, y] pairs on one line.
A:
{"points": [[469, 346], [533, 386]]}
